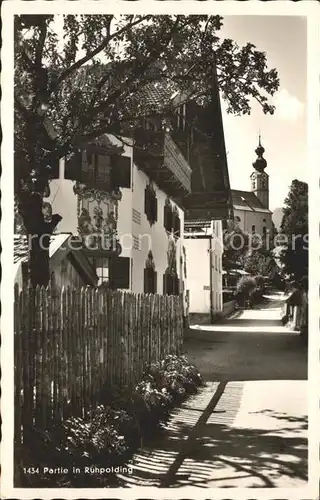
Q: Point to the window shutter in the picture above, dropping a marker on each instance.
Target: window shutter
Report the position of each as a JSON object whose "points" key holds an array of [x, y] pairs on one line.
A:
{"points": [[145, 280], [73, 167], [150, 206], [168, 218], [177, 286], [120, 273], [170, 284], [177, 225], [165, 217], [155, 208], [121, 171], [154, 282], [146, 201], [91, 165], [150, 281]]}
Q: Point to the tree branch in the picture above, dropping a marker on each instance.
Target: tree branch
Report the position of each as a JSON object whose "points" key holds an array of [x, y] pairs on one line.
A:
{"points": [[96, 51], [21, 107], [139, 70], [42, 39]]}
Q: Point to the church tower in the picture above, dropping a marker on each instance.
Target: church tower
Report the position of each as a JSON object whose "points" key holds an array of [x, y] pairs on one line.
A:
{"points": [[259, 178]]}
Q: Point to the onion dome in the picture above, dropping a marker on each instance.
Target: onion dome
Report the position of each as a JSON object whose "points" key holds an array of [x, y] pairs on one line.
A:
{"points": [[260, 163]]}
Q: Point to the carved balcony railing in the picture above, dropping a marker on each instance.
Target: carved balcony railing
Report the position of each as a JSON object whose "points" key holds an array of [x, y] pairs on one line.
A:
{"points": [[159, 157]]}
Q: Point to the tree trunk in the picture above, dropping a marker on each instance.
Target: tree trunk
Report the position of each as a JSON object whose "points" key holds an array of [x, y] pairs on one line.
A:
{"points": [[39, 233], [39, 266]]}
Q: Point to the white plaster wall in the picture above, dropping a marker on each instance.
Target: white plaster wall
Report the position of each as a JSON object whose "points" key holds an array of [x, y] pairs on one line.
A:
{"points": [[198, 271], [124, 223], [249, 218], [198, 274], [64, 202], [217, 251], [154, 238]]}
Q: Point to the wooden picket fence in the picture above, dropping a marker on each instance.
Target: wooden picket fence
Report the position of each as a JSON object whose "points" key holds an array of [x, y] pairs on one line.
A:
{"points": [[72, 344]]}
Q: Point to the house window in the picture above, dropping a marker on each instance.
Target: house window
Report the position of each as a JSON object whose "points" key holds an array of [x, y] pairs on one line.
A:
{"points": [[264, 230], [101, 265], [121, 171], [96, 168], [181, 117], [150, 204], [253, 229], [150, 275], [102, 168], [171, 219]]}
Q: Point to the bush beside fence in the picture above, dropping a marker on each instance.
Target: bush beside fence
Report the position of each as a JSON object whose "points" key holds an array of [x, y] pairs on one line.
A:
{"points": [[70, 345]]}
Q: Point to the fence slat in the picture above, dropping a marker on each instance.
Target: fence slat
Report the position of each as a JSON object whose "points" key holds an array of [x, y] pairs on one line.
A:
{"points": [[71, 344]]}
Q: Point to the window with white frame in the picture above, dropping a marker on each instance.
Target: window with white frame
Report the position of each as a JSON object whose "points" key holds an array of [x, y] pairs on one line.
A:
{"points": [[101, 265]]}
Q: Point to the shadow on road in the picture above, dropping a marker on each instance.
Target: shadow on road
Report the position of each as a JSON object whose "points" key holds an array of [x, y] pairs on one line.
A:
{"points": [[261, 454], [220, 455], [226, 444]]}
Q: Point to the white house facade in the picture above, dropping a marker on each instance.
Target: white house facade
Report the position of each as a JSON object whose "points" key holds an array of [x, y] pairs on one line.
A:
{"points": [[139, 227], [147, 239], [204, 249]]}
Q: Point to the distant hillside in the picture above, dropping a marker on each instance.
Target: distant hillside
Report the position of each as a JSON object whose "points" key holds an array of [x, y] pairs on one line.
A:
{"points": [[277, 217]]}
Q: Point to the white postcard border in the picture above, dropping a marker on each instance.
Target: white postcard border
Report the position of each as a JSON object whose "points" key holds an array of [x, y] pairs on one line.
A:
{"points": [[281, 8]]}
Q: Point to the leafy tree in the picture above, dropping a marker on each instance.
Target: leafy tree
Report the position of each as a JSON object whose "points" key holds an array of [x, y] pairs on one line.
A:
{"points": [[260, 283], [260, 262], [80, 76], [236, 246], [294, 226]]}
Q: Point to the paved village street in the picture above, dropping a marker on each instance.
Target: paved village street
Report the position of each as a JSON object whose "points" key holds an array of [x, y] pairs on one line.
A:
{"points": [[248, 426]]}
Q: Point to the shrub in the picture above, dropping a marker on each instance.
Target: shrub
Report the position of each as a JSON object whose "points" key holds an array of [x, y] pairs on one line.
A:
{"points": [[175, 375], [110, 433], [246, 285], [260, 282]]}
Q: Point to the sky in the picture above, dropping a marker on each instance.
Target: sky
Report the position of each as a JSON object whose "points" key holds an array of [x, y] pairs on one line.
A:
{"points": [[284, 134]]}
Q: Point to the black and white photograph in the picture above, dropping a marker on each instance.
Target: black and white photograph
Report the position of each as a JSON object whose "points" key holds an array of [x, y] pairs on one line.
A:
{"points": [[160, 285]]}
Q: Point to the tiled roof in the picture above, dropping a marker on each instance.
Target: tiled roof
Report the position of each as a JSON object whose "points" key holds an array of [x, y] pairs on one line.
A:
{"points": [[246, 199], [156, 94], [20, 246]]}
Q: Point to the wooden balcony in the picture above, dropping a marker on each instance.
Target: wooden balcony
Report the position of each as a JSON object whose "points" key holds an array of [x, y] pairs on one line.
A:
{"points": [[159, 157]]}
